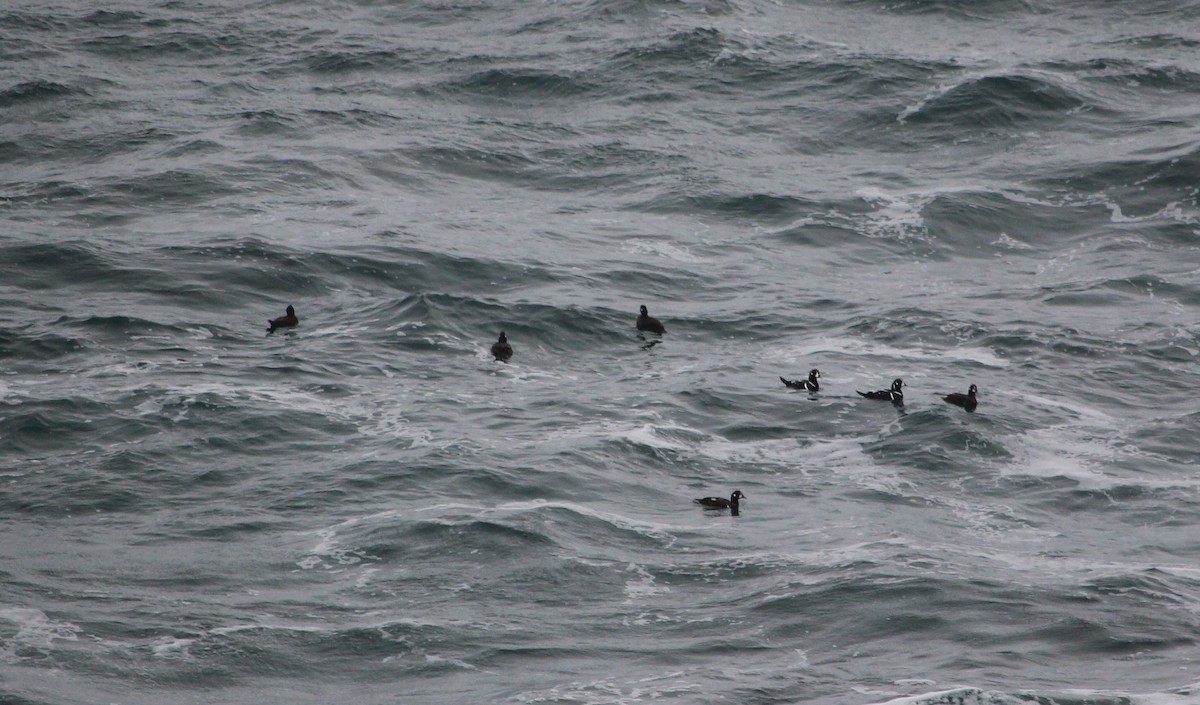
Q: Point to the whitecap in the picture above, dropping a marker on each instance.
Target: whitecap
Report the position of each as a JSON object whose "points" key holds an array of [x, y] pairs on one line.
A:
{"points": [[641, 586], [615, 690], [897, 216], [1095, 417], [329, 553], [656, 530], [648, 435], [1060, 452], [171, 647], [678, 253], [35, 630], [1008, 242], [961, 695], [850, 346], [788, 452]]}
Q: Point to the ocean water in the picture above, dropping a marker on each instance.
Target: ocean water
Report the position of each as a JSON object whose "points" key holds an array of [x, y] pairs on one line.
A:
{"points": [[367, 508]]}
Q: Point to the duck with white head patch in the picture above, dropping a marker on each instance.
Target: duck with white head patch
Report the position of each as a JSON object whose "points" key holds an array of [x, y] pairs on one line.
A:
{"points": [[895, 395], [650, 324], [811, 384], [721, 503]]}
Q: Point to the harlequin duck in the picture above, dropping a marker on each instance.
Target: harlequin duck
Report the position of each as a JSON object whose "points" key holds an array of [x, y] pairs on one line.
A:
{"points": [[894, 395], [811, 384], [647, 322], [501, 350], [721, 503], [966, 401], [284, 321]]}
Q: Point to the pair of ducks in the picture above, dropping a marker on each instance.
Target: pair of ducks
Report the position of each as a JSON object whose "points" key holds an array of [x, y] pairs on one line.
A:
{"points": [[502, 351], [894, 395]]}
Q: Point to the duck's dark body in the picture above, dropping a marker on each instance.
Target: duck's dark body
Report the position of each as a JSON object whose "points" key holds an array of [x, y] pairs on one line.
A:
{"points": [[721, 503], [966, 401], [501, 350], [894, 395], [650, 324], [811, 384], [284, 321]]}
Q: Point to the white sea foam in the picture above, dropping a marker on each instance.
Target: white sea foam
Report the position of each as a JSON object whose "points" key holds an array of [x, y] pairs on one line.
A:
{"points": [[1008, 242], [1085, 413], [642, 585], [663, 248], [1184, 696], [861, 347], [791, 453], [1065, 451], [271, 626], [649, 435], [171, 647], [659, 531], [954, 696], [616, 690], [330, 554], [35, 630], [898, 216]]}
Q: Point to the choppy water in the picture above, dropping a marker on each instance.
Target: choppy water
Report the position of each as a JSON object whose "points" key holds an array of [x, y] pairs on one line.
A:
{"points": [[369, 509]]}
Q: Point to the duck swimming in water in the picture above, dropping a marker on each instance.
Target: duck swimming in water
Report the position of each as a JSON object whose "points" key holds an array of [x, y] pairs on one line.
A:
{"points": [[894, 395], [501, 350], [721, 503], [811, 384], [647, 322], [966, 401], [284, 321]]}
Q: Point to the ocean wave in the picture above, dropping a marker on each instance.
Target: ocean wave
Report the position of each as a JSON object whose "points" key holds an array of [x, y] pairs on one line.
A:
{"points": [[998, 102], [178, 44], [35, 91], [264, 123], [473, 162], [758, 207], [1124, 74], [33, 21], [958, 696], [632, 11], [975, 10], [518, 84], [36, 345], [1160, 40], [35, 634], [691, 50], [78, 264], [1153, 186], [331, 61]]}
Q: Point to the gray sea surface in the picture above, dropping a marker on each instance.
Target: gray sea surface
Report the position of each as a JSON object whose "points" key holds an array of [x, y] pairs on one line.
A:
{"points": [[368, 508]]}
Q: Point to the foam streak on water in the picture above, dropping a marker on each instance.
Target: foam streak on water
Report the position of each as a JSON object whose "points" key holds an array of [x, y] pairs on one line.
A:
{"points": [[368, 508]]}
